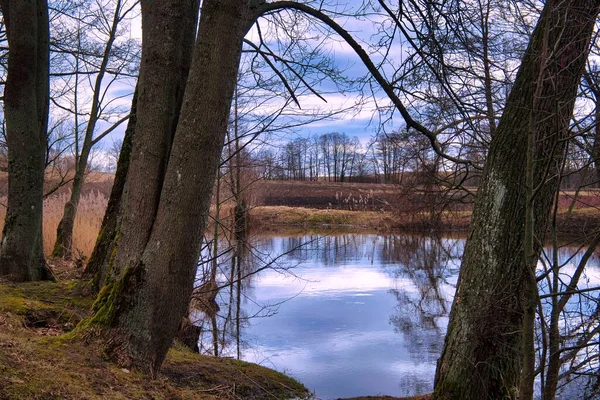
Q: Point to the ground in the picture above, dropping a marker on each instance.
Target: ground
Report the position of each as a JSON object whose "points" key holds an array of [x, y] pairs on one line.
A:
{"points": [[38, 361]]}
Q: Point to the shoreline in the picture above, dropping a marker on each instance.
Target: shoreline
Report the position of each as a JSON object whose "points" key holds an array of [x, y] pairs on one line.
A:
{"points": [[575, 224]]}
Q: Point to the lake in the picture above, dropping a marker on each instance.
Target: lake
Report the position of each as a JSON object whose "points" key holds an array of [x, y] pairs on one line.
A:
{"points": [[347, 315]]}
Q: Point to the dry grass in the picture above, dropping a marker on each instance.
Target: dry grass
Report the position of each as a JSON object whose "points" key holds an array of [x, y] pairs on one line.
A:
{"points": [[87, 222], [265, 217], [37, 363]]}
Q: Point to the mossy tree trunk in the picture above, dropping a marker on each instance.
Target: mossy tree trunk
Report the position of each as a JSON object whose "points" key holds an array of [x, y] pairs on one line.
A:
{"points": [[143, 308], [26, 97], [168, 30], [96, 268], [483, 351]]}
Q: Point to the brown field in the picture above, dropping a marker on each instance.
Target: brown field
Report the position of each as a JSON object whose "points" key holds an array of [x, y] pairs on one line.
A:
{"points": [[328, 195], [87, 223], [377, 197], [367, 206]]}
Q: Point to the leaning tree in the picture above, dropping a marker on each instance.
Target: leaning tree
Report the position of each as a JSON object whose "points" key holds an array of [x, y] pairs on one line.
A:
{"points": [[488, 351]]}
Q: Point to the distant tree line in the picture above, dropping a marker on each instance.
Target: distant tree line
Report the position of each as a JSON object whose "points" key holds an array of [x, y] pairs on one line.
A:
{"points": [[400, 157], [394, 157]]}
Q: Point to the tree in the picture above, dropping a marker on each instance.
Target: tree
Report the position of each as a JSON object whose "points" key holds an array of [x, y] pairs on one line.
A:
{"points": [[161, 261], [487, 342], [113, 59], [97, 266], [158, 101], [26, 105]]}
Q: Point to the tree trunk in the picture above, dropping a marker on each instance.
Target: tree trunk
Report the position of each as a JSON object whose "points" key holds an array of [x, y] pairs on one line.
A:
{"points": [[168, 37], [145, 306], [26, 97], [483, 353], [596, 141], [97, 266], [63, 246]]}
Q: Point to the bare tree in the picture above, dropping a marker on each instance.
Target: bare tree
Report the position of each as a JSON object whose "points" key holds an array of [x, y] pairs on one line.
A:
{"points": [[112, 61]]}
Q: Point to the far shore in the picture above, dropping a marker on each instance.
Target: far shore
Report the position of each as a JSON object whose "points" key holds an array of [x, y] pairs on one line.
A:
{"points": [[575, 223]]}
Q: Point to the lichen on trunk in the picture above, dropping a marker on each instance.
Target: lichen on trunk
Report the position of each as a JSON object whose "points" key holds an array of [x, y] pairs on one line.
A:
{"points": [[483, 354]]}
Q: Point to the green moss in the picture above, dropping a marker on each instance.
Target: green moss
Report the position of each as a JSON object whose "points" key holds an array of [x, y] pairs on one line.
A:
{"points": [[99, 239], [58, 249], [113, 297], [25, 298], [33, 366]]}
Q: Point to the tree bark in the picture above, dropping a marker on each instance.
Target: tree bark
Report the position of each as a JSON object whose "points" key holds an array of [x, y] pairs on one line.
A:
{"points": [[145, 306], [97, 266], [26, 97], [168, 29], [483, 354]]}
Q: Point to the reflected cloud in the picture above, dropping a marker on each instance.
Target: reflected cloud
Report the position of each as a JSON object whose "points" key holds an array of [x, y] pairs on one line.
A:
{"points": [[349, 315]]}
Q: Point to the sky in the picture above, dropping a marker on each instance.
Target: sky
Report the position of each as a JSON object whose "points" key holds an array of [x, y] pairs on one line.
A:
{"points": [[361, 121]]}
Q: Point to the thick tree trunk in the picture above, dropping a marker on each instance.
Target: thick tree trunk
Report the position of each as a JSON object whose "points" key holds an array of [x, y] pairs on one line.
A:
{"points": [[168, 36], [483, 352], [26, 112], [145, 306], [97, 266]]}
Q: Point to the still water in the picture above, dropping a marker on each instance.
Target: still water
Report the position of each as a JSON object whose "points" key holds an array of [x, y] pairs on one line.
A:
{"points": [[346, 315]]}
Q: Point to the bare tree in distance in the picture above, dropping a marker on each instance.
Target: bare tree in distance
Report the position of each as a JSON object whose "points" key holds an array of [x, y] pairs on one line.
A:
{"points": [[115, 57]]}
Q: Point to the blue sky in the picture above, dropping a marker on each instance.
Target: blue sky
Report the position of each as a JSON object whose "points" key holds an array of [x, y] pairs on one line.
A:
{"points": [[362, 121]]}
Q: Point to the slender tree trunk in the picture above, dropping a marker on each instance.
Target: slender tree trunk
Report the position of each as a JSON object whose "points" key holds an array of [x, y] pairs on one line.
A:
{"points": [[596, 143], [554, 339], [97, 266], [143, 308], [482, 356], [487, 81], [63, 246], [26, 97]]}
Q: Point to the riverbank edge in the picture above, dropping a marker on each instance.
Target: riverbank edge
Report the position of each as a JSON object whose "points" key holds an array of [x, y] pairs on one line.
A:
{"points": [[577, 223], [37, 361], [269, 217]]}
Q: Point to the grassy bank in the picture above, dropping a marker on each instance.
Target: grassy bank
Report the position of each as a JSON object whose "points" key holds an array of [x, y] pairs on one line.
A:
{"points": [[380, 221], [36, 362], [574, 224]]}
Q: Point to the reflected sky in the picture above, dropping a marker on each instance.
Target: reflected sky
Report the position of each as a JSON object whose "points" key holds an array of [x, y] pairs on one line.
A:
{"points": [[339, 327], [346, 315]]}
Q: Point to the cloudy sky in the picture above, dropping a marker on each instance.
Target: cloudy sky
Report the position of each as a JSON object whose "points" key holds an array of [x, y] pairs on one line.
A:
{"points": [[359, 118]]}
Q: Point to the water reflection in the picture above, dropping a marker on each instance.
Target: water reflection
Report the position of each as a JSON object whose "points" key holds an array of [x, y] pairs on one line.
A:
{"points": [[347, 315]]}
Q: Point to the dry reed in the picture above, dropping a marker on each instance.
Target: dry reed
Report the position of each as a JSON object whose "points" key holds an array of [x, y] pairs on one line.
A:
{"points": [[87, 223]]}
